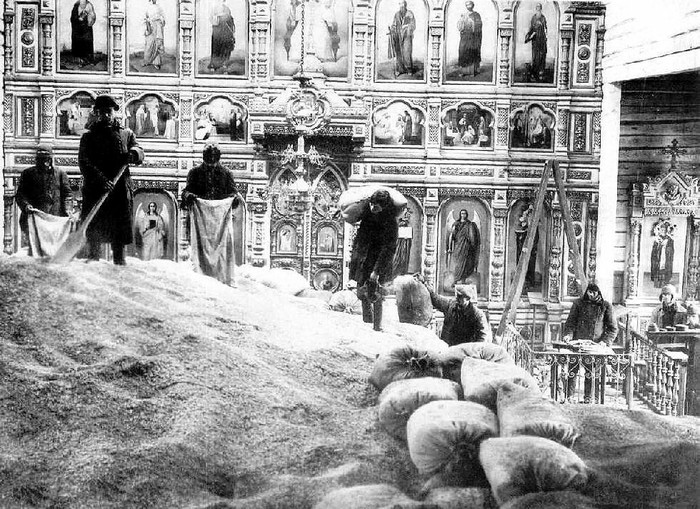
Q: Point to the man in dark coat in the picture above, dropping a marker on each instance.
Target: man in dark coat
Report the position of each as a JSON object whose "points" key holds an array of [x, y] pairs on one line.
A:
{"points": [[592, 318], [373, 253], [104, 150], [463, 321], [43, 187], [210, 180]]}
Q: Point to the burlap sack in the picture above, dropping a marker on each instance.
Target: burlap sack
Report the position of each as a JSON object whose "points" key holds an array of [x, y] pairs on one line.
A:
{"points": [[400, 399], [552, 500], [446, 435], [481, 380], [521, 412], [346, 301], [413, 301], [461, 498], [520, 465], [372, 496], [401, 363], [352, 202], [451, 359]]}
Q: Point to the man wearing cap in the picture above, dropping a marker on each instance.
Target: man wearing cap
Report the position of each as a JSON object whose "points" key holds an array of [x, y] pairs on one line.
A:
{"points": [[463, 322], [104, 150], [43, 187], [592, 318], [670, 312], [373, 253]]}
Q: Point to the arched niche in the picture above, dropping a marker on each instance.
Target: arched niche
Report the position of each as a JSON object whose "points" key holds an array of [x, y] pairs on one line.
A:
{"points": [[471, 41], [150, 116], [519, 221], [327, 36], [401, 46], [74, 114], [398, 124], [450, 263], [532, 127], [409, 248], [467, 125], [155, 232], [221, 42], [536, 41], [220, 120]]}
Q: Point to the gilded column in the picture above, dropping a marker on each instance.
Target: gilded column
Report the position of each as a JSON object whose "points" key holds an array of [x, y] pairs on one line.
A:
{"points": [[592, 241], [9, 42], [600, 43], [358, 63], [186, 26], [633, 258], [555, 256], [565, 62], [692, 290], [435, 39], [431, 206], [506, 35], [46, 22], [117, 23], [9, 199], [498, 256]]}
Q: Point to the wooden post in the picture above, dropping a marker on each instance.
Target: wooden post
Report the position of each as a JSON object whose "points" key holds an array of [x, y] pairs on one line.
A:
{"points": [[516, 285]]}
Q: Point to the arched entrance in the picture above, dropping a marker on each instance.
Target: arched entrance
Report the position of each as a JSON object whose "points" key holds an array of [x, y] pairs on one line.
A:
{"points": [[306, 229]]}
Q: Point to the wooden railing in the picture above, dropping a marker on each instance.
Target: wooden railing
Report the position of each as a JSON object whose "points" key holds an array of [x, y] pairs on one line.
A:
{"points": [[659, 375], [573, 377]]}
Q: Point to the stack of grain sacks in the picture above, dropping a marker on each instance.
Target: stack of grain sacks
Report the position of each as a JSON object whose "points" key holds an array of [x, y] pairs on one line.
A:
{"points": [[478, 429]]}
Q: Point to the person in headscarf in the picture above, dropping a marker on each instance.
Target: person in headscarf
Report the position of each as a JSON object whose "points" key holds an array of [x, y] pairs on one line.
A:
{"points": [[670, 312]]}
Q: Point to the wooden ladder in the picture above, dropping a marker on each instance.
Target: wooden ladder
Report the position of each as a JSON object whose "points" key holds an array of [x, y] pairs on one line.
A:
{"points": [[516, 285]]}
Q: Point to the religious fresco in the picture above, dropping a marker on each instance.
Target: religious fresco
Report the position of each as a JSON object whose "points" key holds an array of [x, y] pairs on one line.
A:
{"points": [[662, 253], [154, 226], [326, 36], [326, 279], [151, 117], [82, 29], [220, 120], [519, 223], [471, 32], [221, 37], [398, 124], [74, 114], [152, 36], [464, 246], [532, 128], [407, 257], [467, 126], [287, 239], [536, 42], [402, 40]]}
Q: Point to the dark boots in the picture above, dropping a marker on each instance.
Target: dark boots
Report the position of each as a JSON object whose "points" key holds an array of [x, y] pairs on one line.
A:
{"points": [[118, 254], [372, 312], [377, 314], [366, 310], [94, 251]]}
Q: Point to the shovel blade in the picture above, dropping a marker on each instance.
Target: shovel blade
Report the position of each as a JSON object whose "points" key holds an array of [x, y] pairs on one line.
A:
{"points": [[71, 247]]}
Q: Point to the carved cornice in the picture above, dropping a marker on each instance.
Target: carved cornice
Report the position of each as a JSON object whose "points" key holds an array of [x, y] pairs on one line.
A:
{"points": [[466, 171], [486, 194], [397, 169]]}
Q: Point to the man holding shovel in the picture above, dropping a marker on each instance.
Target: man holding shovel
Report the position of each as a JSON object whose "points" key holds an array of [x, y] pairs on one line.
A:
{"points": [[104, 150]]}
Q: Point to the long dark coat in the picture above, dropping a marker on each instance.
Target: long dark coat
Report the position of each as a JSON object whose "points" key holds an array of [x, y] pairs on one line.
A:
{"points": [[592, 319], [214, 183], [104, 149], [461, 326], [46, 190], [374, 245]]}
